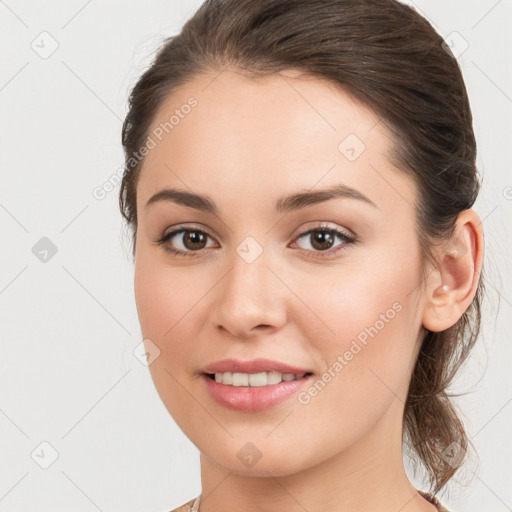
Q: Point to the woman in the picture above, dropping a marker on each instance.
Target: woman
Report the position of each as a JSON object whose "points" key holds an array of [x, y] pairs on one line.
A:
{"points": [[299, 180]]}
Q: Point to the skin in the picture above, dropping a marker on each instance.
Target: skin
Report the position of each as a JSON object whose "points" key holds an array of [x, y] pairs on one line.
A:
{"points": [[247, 143]]}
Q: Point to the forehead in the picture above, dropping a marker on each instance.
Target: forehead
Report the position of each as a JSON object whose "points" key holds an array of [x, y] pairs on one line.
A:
{"points": [[286, 131], [286, 107]]}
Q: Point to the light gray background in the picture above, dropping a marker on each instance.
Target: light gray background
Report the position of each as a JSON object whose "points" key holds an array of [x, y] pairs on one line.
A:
{"points": [[69, 325]]}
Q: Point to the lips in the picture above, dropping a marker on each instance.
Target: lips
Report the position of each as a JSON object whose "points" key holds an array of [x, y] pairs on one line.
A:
{"points": [[250, 398], [252, 366]]}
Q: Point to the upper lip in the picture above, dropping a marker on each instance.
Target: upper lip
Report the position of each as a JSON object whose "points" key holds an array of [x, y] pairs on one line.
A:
{"points": [[251, 366]]}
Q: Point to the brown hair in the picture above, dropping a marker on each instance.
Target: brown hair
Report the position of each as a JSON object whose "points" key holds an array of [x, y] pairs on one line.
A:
{"points": [[390, 58]]}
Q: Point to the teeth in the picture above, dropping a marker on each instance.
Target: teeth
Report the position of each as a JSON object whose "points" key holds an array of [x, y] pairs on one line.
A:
{"points": [[255, 379]]}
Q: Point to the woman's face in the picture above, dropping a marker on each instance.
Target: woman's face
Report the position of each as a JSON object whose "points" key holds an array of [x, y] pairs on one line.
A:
{"points": [[263, 277]]}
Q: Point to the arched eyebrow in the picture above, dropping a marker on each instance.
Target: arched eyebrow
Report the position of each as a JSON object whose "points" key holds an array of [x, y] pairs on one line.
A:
{"points": [[284, 204], [303, 199]]}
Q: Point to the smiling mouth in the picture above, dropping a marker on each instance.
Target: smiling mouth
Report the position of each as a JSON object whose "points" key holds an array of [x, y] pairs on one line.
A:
{"points": [[260, 379]]}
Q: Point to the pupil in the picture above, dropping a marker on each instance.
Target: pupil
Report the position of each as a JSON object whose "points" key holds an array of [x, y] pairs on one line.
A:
{"points": [[322, 240], [194, 238]]}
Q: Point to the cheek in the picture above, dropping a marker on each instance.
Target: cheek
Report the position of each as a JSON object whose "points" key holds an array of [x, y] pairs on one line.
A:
{"points": [[164, 297], [167, 300], [367, 361], [352, 303], [364, 332], [165, 305], [366, 296]]}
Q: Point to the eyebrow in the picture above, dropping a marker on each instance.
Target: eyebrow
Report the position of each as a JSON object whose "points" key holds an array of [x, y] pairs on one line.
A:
{"points": [[284, 204]]}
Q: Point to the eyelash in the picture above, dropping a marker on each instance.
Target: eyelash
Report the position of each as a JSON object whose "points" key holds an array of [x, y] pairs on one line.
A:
{"points": [[347, 239]]}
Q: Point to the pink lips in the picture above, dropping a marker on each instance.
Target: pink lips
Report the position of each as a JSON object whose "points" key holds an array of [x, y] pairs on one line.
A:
{"points": [[252, 366], [252, 399]]}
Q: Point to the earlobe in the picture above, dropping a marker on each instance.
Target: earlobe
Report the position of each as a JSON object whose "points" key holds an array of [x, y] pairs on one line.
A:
{"points": [[452, 286]]}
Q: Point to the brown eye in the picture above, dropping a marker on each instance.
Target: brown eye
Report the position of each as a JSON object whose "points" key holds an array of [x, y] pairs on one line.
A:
{"points": [[184, 242], [323, 239], [194, 240]]}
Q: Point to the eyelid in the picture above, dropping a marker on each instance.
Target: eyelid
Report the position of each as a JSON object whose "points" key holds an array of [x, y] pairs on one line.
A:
{"points": [[325, 225], [186, 227]]}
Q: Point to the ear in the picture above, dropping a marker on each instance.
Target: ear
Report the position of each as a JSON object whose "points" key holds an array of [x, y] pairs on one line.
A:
{"points": [[452, 286]]}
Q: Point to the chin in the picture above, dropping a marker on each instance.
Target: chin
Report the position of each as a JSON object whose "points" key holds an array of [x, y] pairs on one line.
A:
{"points": [[257, 459]]}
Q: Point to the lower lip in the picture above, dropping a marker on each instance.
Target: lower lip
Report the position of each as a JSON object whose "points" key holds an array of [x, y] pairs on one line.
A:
{"points": [[252, 399]]}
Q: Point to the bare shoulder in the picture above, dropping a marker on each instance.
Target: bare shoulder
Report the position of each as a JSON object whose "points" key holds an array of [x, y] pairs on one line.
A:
{"points": [[185, 507], [435, 501]]}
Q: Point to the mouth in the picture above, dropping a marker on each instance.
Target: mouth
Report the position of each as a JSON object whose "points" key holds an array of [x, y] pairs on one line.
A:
{"points": [[253, 392]]}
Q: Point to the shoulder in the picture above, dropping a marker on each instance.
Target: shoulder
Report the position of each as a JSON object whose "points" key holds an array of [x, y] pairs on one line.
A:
{"points": [[432, 499], [185, 507]]}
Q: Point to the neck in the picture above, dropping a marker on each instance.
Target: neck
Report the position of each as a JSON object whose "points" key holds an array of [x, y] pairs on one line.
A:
{"points": [[369, 475]]}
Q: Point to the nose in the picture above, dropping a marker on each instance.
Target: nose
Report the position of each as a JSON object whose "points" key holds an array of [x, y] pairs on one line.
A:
{"points": [[250, 299]]}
